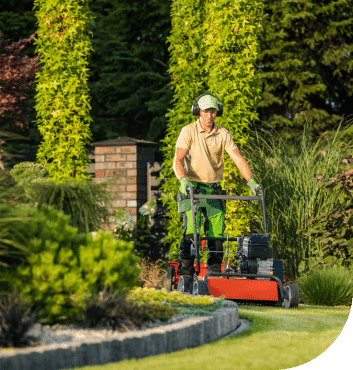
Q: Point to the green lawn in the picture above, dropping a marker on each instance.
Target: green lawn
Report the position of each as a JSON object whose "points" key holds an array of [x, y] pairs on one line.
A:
{"points": [[277, 339]]}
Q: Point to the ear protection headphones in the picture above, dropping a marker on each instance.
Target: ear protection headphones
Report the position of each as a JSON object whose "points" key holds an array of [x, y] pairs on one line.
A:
{"points": [[195, 109]]}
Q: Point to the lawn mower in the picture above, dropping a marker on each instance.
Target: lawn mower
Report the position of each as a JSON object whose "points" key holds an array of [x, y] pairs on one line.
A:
{"points": [[258, 278]]}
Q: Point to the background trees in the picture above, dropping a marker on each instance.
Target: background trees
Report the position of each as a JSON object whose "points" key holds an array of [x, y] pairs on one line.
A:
{"points": [[306, 64]]}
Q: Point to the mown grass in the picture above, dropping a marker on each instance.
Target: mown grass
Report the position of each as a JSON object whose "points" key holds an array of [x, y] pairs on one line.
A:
{"points": [[277, 339]]}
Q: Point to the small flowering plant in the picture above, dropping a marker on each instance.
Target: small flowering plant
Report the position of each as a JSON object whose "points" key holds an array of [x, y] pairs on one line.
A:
{"points": [[149, 208], [140, 234]]}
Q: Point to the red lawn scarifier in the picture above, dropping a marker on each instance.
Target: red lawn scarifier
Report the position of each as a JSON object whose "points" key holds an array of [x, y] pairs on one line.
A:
{"points": [[259, 278]]}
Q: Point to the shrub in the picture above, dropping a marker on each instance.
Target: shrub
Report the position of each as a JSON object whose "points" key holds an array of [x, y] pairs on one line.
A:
{"points": [[333, 230], [63, 268], [141, 233], [327, 286], [16, 318], [85, 201], [213, 49], [25, 172], [152, 274], [117, 310], [287, 171], [150, 295]]}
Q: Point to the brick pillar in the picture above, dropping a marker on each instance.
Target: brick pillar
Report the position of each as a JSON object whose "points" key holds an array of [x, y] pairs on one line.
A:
{"points": [[125, 160]]}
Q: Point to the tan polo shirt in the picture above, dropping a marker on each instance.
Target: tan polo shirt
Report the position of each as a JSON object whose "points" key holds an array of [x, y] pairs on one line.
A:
{"points": [[205, 159]]}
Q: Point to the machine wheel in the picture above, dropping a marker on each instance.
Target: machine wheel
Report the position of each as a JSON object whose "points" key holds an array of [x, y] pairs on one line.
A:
{"points": [[200, 288], [291, 296], [169, 283]]}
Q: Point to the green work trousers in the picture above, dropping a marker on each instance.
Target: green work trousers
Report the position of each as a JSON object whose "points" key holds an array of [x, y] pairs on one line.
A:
{"points": [[212, 211]]}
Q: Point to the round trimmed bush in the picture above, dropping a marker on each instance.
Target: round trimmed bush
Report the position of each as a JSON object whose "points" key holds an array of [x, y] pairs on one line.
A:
{"points": [[330, 286], [62, 268]]}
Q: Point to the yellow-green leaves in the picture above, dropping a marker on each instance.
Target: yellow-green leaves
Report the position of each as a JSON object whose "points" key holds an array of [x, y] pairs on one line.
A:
{"points": [[213, 46], [62, 97]]}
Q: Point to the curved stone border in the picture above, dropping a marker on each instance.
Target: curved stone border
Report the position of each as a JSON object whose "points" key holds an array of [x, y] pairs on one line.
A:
{"points": [[189, 333]]}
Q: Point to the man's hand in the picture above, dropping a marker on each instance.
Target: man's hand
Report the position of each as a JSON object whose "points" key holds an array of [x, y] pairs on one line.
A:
{"points": [[254, 186], [183, 185]]}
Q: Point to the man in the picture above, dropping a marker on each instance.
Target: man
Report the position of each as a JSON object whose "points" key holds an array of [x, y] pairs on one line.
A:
{"points": [[201, 147]]}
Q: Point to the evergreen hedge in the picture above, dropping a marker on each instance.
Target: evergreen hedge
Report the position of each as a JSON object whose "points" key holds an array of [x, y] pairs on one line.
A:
{"points": [[62, 99], [213, 46]]}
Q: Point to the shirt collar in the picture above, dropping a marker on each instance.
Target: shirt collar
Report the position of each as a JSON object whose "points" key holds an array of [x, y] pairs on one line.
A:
{"points": [[200, 129]]}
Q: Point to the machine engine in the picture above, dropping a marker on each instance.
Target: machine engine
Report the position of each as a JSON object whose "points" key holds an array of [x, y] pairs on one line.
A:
{"points": [[254, 255]]}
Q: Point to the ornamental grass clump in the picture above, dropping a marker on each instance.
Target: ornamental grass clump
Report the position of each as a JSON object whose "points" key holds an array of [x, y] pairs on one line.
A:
{"points": [[153, 275], [327, 286], [16, 318]]}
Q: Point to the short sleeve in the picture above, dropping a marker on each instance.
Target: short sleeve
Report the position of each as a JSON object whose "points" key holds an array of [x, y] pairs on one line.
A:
{"points": [[184, 139], [229, 142]]}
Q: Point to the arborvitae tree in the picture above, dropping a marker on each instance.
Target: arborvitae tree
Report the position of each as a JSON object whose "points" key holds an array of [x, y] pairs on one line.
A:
{"points": [[62, 107], [306, 63], [213, 46]]}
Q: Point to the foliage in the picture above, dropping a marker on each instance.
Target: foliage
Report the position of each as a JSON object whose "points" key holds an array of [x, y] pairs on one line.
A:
{"points": [[16, 318], [129, 82], [62, 99], [151, 294], [199, 310], [153, 275], [332, 286], [213, 46], [118, 311], [140, 233], [62, 268], [25, 172], [16, 74], [85, 201], [333, 229], [305, 64], [287, 169]]}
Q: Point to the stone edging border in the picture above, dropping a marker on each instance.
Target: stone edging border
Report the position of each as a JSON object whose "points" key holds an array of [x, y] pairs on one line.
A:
{"points": [[188, 333]]}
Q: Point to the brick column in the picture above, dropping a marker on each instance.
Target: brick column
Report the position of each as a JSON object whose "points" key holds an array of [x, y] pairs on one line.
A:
{"points": [[125, 160]]}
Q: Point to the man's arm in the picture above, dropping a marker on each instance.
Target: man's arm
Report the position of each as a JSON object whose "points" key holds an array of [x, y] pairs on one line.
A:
{"points": [[240, 162], [178, 165]]}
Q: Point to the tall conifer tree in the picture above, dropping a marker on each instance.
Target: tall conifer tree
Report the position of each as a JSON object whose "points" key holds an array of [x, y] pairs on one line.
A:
{"points": [[213, 47], [306, 63]]}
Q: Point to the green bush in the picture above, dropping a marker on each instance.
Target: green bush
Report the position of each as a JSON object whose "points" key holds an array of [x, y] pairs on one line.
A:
{"points": [[117, 310], [213, 48], [85, 201], [327, 286], [287, 171], [25, 172], [63, 268]]}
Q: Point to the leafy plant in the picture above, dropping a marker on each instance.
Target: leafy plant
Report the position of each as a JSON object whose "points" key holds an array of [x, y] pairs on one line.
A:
{"points": [[116, 310], [305, 64], [152, 274], [287, 171], [151, 294], [25, 172], [17, 73], [213, 47], [333, 229], [62, 99], [16, 318], [331, 286], [140, 233], [85, 201], [62, 268]]}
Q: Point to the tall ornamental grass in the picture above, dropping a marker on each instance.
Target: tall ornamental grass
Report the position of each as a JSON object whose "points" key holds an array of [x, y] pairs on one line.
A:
{"points": [[329, 286], [287, 171]]}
